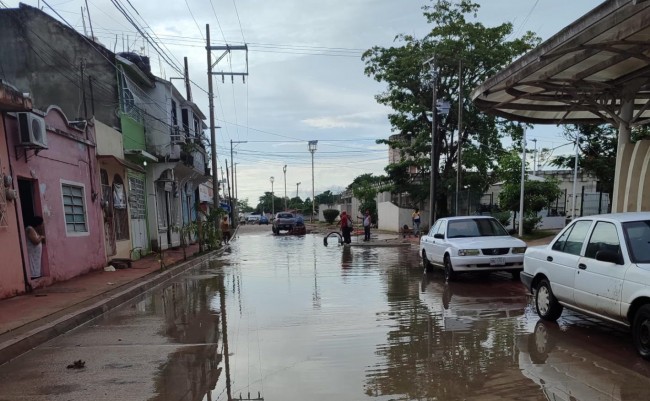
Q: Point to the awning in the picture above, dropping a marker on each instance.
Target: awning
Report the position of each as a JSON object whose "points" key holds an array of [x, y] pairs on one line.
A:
{"points": [[125, 163], [140, 154], [581, 74]]}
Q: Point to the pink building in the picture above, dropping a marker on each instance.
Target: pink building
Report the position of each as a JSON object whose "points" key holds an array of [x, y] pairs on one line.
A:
{"points": [[53, 166], [12, 275]]}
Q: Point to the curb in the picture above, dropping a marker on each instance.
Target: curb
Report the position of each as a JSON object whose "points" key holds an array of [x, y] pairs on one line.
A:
{"points": [[22, 342]]}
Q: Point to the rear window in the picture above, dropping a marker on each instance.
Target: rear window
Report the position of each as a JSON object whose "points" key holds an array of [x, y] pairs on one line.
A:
{"points": [[637, 235], [285, 216]]}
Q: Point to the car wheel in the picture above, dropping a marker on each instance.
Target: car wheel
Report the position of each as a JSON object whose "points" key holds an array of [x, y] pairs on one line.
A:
{"points": [[515, 274], [641, 331], [540, 343], [450, 274], [425, 261], [548, 308]]}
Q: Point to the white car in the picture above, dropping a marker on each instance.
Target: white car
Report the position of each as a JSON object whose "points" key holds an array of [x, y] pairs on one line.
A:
{"points": [[599, 266], [471, 244]]}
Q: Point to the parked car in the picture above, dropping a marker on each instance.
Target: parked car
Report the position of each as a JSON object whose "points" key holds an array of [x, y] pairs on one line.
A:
{"points": [[284, 221], [600, 266], [471, 244], [253, 218], [263, 220]]}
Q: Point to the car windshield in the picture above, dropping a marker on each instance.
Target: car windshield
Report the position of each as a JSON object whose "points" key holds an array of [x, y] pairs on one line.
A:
{"points": [[474, 228], [637, 234], [285, 216]]}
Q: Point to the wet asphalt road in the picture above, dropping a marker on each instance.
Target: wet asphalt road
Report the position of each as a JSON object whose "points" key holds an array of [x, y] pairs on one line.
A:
{"points": [[294, 320]]}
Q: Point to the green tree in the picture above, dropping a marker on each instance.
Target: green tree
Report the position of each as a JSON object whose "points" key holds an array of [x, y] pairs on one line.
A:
{"points": [[243, 206], [365, 188], [455, 36], [326, 198], [269, 202], [296, 203]]}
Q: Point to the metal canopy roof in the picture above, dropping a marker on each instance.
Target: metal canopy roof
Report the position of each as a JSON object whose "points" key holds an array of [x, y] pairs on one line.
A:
{"points": [[580, 75]]}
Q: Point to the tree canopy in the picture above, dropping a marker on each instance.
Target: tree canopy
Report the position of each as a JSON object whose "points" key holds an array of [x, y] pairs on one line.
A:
{"points": [[597, 146], [458, 43]]}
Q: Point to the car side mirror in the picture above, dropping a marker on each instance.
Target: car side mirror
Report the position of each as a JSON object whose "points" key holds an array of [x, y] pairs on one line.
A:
{"points": [[609, 256], [439, 236]]}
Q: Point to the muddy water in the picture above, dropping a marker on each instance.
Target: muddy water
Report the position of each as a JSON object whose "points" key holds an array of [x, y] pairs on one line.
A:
{"points": [[309, 322], [293, 320]]}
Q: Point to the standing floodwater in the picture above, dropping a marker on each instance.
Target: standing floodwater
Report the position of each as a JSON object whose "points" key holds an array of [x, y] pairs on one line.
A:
{"points": [[290, 319]]}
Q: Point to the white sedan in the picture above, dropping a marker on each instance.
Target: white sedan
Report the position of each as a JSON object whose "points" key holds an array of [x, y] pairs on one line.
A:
{"points": [[599, 266], [471, 244]]}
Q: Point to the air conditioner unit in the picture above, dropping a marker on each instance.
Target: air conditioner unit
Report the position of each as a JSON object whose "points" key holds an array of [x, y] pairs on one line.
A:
{"points": [[32, 131]]}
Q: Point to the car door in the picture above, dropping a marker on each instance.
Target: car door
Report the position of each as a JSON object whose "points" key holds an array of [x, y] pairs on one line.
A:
{"points": [[440, 244], [427, 241], [563, 258], [599, 284]]}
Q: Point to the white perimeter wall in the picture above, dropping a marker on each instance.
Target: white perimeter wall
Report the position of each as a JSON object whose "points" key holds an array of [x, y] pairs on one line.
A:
{"points": [[391, 217]]}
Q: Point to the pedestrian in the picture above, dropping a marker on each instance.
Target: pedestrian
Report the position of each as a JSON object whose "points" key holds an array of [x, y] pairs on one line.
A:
{"points": [[225, 230], [346, 227], [35, 241], [367, 221], [415, 217]]}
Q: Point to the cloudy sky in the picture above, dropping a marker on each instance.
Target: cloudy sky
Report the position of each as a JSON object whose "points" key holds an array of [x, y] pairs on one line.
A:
{"points": [[306, 77]]}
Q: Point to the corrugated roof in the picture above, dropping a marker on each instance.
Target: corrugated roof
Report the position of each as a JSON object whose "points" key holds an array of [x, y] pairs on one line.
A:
{"points": [[580, 74]]}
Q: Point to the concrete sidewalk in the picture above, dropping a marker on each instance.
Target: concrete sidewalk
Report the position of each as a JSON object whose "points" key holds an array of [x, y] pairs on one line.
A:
{"points": [[31, 319]]}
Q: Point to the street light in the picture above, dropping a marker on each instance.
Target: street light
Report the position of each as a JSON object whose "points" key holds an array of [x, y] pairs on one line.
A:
{"points": [[284, 170], [272, 203], [312, 150]]}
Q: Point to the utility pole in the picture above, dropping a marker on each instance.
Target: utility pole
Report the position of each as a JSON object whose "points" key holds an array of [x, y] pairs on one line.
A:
{"points": [[188, 89], [227, 49], [535, 158], [213, 134], [232, 217], [575, 179], [297, 185], [233, 199], [460, 130], [523, 181], [432, 190]]}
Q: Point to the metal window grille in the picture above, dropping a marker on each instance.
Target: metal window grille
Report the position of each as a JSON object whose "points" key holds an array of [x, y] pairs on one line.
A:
{"points": [[136, 198], [74, 208]]}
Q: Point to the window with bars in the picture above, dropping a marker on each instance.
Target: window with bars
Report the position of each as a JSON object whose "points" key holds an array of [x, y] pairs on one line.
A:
{"points": [[74, 208]]}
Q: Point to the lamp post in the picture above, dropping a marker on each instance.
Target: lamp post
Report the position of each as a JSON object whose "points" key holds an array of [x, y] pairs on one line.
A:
{"points": [[312, 150], [284, 170], [272, 202]]}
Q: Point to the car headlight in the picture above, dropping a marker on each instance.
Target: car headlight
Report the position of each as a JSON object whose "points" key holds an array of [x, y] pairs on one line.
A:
{"points": [[519, 249], [468, 252]]}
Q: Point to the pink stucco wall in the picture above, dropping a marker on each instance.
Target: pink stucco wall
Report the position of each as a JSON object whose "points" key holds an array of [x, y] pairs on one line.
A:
{"points": [[11, 263], [70, 158]]}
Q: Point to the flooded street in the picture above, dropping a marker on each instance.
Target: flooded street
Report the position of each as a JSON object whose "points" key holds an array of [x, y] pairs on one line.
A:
{"points": [[294, 320]]}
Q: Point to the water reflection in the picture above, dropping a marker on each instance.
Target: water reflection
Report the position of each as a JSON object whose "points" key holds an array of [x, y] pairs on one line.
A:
{"points": [[191, 372], [451, 341], [580, 364]]}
